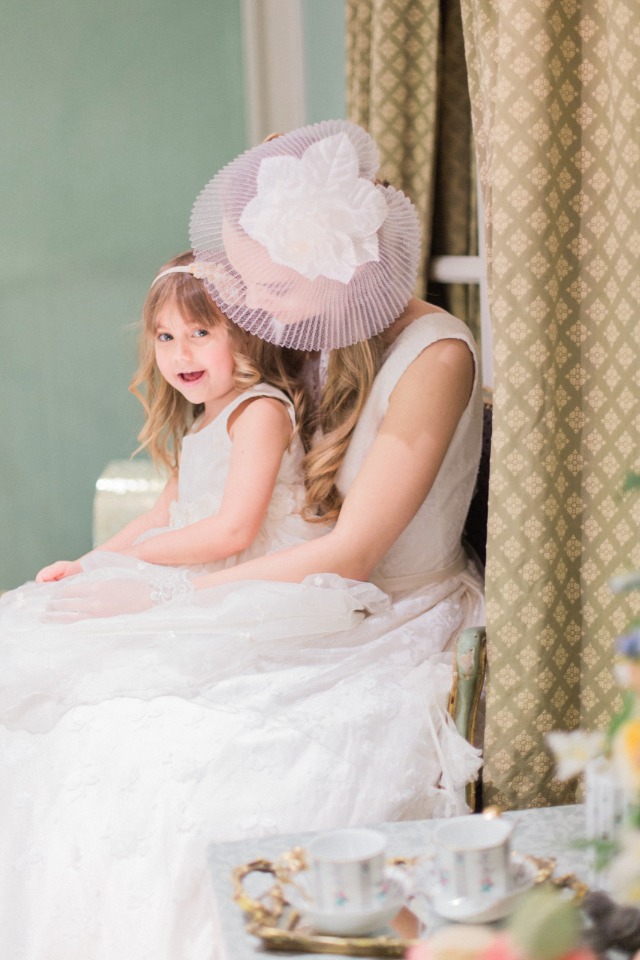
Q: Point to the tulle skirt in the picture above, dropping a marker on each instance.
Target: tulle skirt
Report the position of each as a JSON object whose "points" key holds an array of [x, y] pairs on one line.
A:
{"points": [[129, 744]]}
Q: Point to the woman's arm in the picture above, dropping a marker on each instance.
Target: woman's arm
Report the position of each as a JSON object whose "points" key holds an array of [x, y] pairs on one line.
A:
{"points": [[424, 410], [157, 516], [394, 480], [260, 431]]}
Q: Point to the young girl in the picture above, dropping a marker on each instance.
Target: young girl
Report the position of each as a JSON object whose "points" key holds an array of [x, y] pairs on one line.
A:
{"points": [[222, 406]]}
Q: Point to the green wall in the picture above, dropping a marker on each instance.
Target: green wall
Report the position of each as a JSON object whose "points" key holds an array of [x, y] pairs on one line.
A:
{"points": [[324, 44], [113, 117]]}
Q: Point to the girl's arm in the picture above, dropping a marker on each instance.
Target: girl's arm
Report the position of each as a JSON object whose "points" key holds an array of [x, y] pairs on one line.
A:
{"points": [[157, 516], [394, 480], [260, 431]]}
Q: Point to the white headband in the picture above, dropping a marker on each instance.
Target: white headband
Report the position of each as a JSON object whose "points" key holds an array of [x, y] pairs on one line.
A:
{"points": [[197, 270]]}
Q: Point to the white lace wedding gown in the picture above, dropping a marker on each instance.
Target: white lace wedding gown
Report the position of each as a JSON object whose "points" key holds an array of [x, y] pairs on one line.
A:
{"points": [[129, 744]]}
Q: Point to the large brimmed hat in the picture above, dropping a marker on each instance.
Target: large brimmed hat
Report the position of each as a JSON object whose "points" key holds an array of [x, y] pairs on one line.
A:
{"points": [[297, 243]]}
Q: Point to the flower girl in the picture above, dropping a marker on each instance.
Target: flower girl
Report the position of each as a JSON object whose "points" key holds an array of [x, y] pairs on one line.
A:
{"points": [[221, 411]]}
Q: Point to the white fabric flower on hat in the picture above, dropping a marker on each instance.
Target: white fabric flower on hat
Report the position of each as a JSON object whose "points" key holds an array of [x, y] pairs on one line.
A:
{"points": [[315, 214]]}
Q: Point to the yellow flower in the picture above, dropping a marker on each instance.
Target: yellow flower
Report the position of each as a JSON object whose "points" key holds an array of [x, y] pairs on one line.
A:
{"points": [[626, 754]]}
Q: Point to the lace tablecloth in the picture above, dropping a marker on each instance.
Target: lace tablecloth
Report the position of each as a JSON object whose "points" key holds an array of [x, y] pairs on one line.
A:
{"points": [[547, 832]]}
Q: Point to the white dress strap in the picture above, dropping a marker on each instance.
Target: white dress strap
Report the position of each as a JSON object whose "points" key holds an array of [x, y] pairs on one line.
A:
{"points": [[260, 390], [414, 339]]}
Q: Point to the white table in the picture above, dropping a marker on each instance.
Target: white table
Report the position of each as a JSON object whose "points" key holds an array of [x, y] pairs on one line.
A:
{"points": [[547, 832]]}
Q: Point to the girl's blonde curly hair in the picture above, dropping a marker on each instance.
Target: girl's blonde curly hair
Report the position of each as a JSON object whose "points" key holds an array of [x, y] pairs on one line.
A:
{"points": [[168, 414]]}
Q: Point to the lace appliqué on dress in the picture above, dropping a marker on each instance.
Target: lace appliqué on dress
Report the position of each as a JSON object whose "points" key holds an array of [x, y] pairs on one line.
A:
{"points": [[171, 585]]}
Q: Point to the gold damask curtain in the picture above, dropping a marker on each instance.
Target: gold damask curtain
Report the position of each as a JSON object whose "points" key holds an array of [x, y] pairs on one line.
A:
{"points": [[556, 114], [407, 85], [556, 109]]}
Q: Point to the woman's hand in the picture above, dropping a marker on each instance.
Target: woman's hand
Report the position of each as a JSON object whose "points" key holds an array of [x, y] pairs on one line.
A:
{"points": [[102, 598], [58, 571]]}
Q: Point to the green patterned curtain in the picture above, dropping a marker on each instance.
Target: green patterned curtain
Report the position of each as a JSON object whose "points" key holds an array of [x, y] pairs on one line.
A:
{"points": [[555, 101], [407, 85], [556, 109]]}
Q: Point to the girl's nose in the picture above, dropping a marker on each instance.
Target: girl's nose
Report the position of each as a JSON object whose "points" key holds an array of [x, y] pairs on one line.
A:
{"points": [[185, 351]]}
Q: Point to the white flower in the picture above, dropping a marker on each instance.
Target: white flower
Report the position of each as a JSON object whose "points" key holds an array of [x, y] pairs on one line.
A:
{"points": [[283, 503], [203, 270], [572, 751], [622, 674], [315, 214], [227, 284]]}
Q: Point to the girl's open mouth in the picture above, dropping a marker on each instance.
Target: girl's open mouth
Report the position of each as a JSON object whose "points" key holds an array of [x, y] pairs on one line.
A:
{"points": [[192, 377]]}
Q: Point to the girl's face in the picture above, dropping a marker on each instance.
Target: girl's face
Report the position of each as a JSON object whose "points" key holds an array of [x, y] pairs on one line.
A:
{"points": [[196, 361]]}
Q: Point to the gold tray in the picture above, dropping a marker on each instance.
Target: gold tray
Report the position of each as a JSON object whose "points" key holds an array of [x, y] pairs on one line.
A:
{"points": [[273, 920], [278, 924]]}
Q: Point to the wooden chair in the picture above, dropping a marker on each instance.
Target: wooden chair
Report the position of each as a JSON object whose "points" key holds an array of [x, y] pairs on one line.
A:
{"points": [[469, 670], [475, 527], [470, 654]]}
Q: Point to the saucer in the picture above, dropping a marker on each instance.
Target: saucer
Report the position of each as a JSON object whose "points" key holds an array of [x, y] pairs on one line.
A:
{"points": [[354, 923], [485, 909]]}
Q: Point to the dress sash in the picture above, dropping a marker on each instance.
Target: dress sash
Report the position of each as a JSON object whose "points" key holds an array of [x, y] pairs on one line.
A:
{"points": [[413, 581]]}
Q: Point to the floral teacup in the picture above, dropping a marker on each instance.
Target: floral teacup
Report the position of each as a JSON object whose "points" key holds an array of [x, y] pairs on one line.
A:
{"points": [[473, 859]]}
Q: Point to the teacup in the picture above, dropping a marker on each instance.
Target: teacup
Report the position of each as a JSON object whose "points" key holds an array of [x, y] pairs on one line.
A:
{"points": [[347, 869], [473, 859]]}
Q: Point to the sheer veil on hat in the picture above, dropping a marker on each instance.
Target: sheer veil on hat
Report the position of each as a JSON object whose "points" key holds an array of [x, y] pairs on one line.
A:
{"points": [[297, 244]]}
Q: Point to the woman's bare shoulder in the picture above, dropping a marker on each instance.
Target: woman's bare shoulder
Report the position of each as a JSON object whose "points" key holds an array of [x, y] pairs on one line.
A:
{"points": [[441, 376]]}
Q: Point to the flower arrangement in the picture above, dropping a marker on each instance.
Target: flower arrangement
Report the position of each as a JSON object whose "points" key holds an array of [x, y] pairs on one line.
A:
{"points": [[619, 749], [544, 926]]}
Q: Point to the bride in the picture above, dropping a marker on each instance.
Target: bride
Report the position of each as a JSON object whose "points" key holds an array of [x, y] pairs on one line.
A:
{"points": [[302, 689]]}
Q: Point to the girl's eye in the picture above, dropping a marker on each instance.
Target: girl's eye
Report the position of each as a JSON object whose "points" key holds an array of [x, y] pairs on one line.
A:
{"points": [[164, 337], [200, 333]]}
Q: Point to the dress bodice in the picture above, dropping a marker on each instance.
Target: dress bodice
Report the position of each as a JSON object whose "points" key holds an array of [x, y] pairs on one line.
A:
{"points": [[204, 466], [431, 541]]}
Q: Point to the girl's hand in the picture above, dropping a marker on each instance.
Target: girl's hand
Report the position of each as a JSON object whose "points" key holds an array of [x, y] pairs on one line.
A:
{"points": [[123, 589], [104, 598], [58, 571]]}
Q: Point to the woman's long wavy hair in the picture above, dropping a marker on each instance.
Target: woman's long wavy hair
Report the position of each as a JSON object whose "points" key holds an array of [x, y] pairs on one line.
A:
{"points": [[350, 375], [168, 414]]}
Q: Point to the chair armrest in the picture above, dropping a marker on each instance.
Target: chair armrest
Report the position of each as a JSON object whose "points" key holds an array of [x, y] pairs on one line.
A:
{"points": [[124, 490], [469, 669]]}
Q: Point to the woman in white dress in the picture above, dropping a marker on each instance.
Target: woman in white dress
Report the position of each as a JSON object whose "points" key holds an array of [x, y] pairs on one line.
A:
{"points": [[272, 695]]}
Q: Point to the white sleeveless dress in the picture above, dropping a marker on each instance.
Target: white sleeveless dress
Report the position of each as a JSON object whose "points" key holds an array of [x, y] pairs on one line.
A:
{"points": [[256, 708], [204, 465]]}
